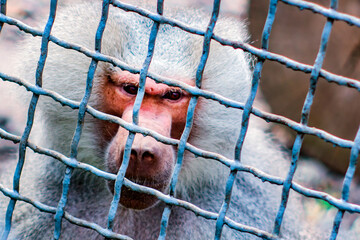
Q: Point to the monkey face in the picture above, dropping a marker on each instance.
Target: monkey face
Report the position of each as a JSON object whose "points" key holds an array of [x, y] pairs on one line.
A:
{"points": [[151, 162]]}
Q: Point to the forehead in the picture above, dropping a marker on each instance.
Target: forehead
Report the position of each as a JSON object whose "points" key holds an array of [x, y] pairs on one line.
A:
{"points": [[174, 55], [124, 76]]}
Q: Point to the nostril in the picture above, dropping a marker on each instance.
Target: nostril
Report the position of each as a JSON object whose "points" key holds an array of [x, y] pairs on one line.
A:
{"points": [[148, 156], [133, 154]]}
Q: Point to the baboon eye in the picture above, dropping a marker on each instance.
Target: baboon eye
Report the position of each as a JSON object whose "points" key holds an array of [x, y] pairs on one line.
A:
{"points": [[173, 95], [130, 88]]}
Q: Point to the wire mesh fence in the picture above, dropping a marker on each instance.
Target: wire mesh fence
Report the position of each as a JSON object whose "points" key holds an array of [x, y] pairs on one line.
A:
{"points": [[196, 92]]}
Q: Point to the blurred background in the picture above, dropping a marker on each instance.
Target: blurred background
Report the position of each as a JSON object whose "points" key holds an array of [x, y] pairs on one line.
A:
{"points": [[336, 109], [296, 34]]}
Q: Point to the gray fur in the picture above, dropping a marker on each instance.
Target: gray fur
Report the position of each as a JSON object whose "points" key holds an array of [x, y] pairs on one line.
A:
{"points": [[216, 128]]}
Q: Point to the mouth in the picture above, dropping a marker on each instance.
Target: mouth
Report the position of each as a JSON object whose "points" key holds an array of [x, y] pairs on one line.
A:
{"points": [[138, 200], [148, 183]]}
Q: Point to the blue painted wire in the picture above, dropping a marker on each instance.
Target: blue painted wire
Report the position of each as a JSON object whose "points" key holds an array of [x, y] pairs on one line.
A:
{"points": [[190, 115], [81, 115], [136, 109], [234, 166], [289, 63], [2, 11], [354, 154], [304, 120], [30, 118], [245, 119]]}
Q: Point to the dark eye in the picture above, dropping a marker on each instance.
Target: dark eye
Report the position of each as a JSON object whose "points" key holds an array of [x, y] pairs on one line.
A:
{"points": [[130, 88], [173, 95]]}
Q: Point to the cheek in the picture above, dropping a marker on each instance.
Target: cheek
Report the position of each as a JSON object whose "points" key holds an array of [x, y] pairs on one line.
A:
{"points": [[108, 101], [179, 120], [105, 132], [114, 151], [111, 101]]}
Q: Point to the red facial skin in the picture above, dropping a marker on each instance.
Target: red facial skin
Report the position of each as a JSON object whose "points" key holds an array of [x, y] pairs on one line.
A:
{"points": [[163, 110]]}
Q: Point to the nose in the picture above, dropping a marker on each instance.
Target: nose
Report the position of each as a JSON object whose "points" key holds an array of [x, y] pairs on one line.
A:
{"points": [[145, 157]]}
